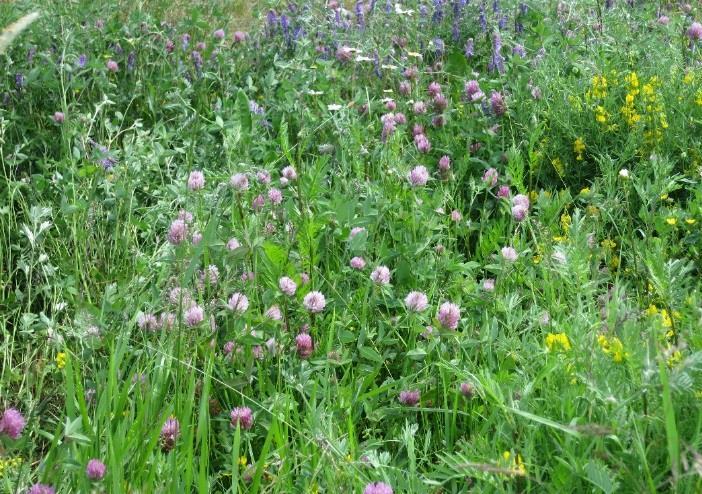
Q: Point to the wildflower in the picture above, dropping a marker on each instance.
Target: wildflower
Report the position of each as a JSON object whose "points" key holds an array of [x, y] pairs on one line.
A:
{"points": [[519, 213], [381, 275], [177, 232], [112, 66], [489, 284], [503, 192], [378, 488], [579, 148], [258, 202], [445, 163], [263, 177], [287, 286], [613, 347], [472, 91], [434, 89], [663, 20], [61, 360], [242, 417], [274, 313], [41, 489], [355, 231], [304, 345], [239, 36], [12, 423], [405, 88], [357, 263], [509, 254], [239, 181], [289, 173], [169, 434], [671, 221], [409, 398], [624, 173], [58, 117], [233, 244], [490, 177], [456, 215], [238, 302], [557, 342], [449, 315], [304, 278], [314, 302], [197, 238], [95, 470], [497, 103], [416, 302], [196, 180], [219, 34], [193, 316], [422, 143], [467, 389], [418, 176], [694, 32]]}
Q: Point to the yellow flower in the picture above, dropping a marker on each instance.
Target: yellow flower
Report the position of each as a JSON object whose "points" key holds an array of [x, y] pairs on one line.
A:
{"points": [[585, 191], [516, 464], [613, 347], [689, 78], [652, 310], [666, 321], [243, 461], [690, 221], [592, 210], [608, 244], [536, 259], [599, 86], [601, 114], [557, 342], [565, 222], [61, 358], [675, 358], [558, 166], [579, 148], [559, 239], [698, 98], [533, 196], [671, 221]]}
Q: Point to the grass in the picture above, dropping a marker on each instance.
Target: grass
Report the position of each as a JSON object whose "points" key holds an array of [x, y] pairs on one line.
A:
{"points": [[560, 216]]}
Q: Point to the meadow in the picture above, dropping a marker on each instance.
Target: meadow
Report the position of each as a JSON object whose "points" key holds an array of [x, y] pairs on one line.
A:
{"points": [[369, 247]]}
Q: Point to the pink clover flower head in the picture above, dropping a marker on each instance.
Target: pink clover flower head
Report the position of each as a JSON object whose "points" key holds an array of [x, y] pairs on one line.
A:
{"points": [[381, 275], [238, 302], [196, 180], [194, 316], [378, 488], [509, 254], [314, 302], [449, 315], [409, 397], [416, 302], [242, 417], [287, 286], [177, 232], [95, 470], [358, 263], [419, 176], [304, 345], [239, 181], [12, 423]]}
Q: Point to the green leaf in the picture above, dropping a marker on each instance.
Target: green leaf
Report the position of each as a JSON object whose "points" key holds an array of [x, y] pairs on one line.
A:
{"points": [[371, 354], [599, 475]]}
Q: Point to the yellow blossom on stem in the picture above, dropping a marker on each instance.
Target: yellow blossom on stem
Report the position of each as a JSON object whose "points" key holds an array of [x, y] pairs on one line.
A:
{"points": [[61, 358], [557, 342]]}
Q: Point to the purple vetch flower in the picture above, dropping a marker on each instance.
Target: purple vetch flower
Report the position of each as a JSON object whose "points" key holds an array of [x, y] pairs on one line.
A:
{"points": [[169, 434], [241, 417], [438, 14], [31, 53], [12, 423], [449, 315], [497, 61], [197, 60], [82, 61], [185, 41], [482, 18], [519, 50], [469, 49], [378, 488], [20, 80], [95, 469], [439, 46], [131, 61], [409, 397]]}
